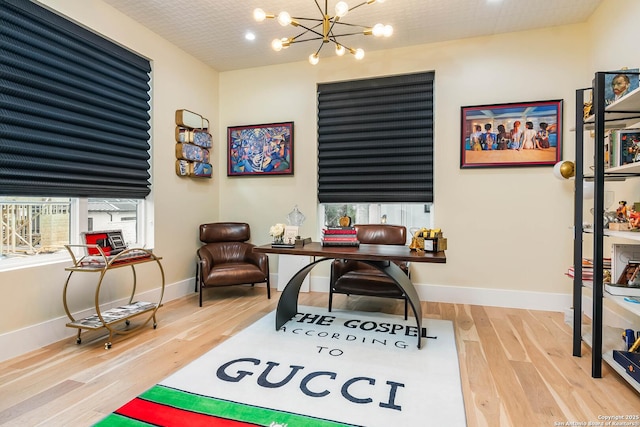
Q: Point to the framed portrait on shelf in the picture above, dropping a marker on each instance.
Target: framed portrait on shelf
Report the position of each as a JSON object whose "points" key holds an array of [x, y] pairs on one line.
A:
{"points": [[258, 150], [511, 135], [618, 84]]}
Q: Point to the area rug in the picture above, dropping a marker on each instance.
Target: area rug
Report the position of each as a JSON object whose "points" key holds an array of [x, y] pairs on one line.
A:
{"points": [[342, 368]]}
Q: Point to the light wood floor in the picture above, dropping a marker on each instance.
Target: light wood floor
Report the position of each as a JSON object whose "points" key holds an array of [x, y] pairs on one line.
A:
{"points": [[516, 365]]}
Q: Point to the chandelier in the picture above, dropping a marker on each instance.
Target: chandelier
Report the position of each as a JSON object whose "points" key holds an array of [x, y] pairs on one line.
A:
{"points": [[328, 29]]}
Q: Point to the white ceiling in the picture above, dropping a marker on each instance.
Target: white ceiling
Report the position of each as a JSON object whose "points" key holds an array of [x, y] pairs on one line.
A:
{"points": [[214, 30]]}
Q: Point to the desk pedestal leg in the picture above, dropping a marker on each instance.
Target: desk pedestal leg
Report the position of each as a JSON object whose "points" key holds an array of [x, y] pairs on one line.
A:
{"points": [[404, 283], [288, 303]]}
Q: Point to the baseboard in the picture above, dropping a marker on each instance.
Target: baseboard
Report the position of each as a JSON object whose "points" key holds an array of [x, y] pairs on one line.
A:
{"points": [[529, 300], [33, 337], [479, 296]]}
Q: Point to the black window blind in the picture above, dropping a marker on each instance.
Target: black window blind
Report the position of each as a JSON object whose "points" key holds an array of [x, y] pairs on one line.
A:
{"points": [[375, 140], [74, 109]]}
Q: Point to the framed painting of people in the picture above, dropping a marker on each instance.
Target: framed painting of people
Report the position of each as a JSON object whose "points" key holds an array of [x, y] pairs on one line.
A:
{"points": [[511, 135], [259, 150]]}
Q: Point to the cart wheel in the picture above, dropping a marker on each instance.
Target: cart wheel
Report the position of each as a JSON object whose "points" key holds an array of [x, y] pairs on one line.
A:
{"points": [[127, 322], [107, 345], [78, 340]]}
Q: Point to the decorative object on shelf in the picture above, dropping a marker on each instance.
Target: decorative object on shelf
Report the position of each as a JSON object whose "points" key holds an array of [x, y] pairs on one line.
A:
{"points": [[526, 133], [429, 240], [618, 84], [255, 150], [587, 109], [628, 142], [344, 221], [193, 145], [621, 212], [325, 29], [634, 217], [564, 170]]}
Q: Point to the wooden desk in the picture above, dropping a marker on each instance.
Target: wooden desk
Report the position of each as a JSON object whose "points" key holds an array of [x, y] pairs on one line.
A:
{"points": [[378, 256]]}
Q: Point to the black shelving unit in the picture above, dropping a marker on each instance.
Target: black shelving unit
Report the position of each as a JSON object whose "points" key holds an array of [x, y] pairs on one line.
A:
{"points": [[620, 114]]}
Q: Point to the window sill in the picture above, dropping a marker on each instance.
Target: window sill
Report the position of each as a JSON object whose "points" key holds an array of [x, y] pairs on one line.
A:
{"points": [[16, 263]]}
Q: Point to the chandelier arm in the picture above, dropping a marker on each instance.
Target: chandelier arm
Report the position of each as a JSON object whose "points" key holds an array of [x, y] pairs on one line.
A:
{"points": [[299, 18], [309, 30], [347, 34], [319, 8], [353, 25], [294, 40], [333, 22], [336, 42], [358, 5]]}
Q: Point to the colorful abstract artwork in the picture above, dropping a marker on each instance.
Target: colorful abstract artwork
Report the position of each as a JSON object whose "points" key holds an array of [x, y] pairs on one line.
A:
{"points": [[260, 149]]}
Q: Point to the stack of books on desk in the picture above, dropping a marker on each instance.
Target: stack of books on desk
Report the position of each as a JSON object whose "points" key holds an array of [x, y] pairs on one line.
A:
{"points": [[340, 236]]}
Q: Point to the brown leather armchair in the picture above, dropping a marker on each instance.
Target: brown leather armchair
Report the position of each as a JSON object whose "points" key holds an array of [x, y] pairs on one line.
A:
{"points": [[227, 259], [357, 278]]}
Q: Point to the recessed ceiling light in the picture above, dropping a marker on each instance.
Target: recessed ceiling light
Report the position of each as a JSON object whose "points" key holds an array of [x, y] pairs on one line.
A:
{"points": [[250, 36]]}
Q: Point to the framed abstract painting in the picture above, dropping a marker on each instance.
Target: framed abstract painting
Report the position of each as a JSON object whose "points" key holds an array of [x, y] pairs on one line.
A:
{"points": [[259, 150]]}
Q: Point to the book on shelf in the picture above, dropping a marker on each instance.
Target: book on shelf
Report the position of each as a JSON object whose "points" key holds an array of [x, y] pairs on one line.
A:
{"points": [[622, 290], [586, 275], [587, 268]]}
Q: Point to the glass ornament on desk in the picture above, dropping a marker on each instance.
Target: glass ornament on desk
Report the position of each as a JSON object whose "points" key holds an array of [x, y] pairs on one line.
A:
{"points": [[295, 217]]}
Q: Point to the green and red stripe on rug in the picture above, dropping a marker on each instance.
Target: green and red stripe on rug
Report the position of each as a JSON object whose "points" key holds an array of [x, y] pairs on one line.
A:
{"points": [[164, 406]]}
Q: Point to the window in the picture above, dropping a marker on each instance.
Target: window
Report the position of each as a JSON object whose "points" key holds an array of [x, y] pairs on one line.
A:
{"points": [[375, 150], [38, 227], [411, 215]]}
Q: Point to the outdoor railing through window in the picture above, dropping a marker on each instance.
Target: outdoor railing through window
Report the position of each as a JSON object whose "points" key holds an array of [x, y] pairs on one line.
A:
{"points": [[34, 227]]}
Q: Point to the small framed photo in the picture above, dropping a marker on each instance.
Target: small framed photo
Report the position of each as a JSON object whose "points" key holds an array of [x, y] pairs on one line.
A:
{"points": [[511, 135], [617, 84], [290, 234], [258, 150]]}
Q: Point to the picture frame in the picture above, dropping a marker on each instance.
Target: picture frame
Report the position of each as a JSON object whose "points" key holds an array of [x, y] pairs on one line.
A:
{"points": [[506, 144], [260, 150], [290, 234], [617, 84]]}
